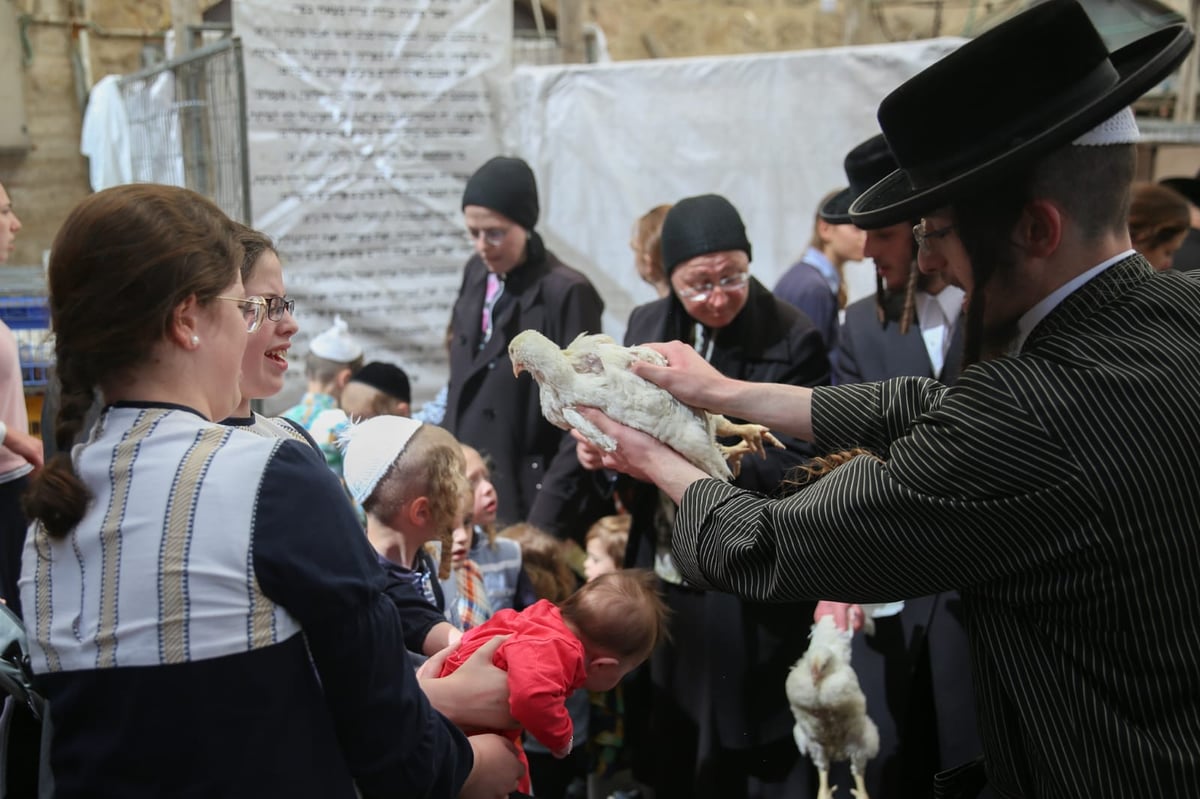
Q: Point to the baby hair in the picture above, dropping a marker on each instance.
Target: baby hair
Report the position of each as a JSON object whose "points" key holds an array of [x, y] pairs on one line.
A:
{"points": [[620, 613]]}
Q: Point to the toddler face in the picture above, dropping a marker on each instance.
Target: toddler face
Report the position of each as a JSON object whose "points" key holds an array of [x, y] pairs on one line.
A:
{"points": [[460, 544], [481, 485], [598, 560]]}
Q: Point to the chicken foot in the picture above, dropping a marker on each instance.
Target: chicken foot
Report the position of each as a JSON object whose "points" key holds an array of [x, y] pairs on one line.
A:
{"points": [[824, 791], [859, 791], [754, 437]]}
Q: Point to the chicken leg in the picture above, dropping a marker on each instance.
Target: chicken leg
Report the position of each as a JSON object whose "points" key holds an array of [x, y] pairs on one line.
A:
{"points": [[754, 437], [824, 791], [860, 786]]}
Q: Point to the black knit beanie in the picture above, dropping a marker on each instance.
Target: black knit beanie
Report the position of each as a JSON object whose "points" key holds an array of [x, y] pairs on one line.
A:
{"points": [[385, 377], [506, 186], [699, 226]]}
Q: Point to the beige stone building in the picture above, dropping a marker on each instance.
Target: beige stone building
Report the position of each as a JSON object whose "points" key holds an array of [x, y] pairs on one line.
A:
{"points": [[54, 50]]}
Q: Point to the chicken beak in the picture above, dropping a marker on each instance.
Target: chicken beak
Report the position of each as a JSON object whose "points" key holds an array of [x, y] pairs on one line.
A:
{"points": [[517, 369]]}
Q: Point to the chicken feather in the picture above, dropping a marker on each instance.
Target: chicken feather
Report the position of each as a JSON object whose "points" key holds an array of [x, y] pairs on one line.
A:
{"points": [[830, 708], [593, 370]]}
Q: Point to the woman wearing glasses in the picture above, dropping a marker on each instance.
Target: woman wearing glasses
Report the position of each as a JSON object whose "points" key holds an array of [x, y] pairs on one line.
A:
{"points": [[266, 360], [205, 616], [717, 706], [513, 283]]}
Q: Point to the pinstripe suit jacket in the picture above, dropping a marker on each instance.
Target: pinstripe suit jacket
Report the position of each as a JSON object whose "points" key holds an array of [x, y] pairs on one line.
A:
{"points": [[1046, 487]]}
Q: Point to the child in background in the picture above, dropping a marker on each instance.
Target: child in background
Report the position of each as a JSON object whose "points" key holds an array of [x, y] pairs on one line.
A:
{"points": [[332, 357], [408, 478], [377, 389], [605, 542], [597, 636], [499, 559], [467, 603]]}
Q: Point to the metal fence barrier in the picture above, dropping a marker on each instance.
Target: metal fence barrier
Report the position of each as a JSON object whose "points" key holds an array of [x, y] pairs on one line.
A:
{"points": [[187, 120]]}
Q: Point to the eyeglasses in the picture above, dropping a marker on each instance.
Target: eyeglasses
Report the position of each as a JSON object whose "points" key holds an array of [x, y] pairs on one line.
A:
{"points": [[277, 305], [254, 310], [923, 236], [701, 293], [492, 236]]}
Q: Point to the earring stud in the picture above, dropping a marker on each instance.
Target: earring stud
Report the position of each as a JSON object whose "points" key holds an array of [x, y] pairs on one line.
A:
{"points": [[195, 341]]}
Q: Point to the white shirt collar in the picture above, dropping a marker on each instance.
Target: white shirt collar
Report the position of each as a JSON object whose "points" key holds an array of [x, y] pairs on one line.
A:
{"points": [[950, 299], [1037, 313]]}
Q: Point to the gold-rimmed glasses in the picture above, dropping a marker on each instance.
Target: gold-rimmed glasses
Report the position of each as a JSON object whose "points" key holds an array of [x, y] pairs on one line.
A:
{"points": [[922, 236], [254, 310]]}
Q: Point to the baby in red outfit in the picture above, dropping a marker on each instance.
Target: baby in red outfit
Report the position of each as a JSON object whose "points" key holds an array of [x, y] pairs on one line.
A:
{"points": [[599, 634]]}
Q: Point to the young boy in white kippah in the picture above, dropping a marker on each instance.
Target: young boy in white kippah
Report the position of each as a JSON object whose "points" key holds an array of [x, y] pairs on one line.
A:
{"points": [[409, 479], [333, 357]]}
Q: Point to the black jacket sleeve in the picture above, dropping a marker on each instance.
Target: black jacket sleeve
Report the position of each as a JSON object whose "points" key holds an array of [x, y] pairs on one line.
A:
{"points": [[311, 557]]}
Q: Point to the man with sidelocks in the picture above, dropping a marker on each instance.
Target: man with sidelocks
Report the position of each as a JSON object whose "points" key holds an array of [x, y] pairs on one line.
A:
{"points": [[1042, 485]]}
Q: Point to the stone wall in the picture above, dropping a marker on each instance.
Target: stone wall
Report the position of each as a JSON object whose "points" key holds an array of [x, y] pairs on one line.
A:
{"points": [[672, 28], [49, 179]]}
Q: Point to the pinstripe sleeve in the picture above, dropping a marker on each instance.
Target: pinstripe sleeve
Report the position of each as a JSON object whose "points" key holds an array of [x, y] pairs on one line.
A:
{"points": [[960, 498]]}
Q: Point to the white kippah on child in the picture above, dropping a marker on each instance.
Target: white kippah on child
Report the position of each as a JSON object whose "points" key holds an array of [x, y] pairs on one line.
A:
{"points": [[336, 343], [1120, 128], [371, 447]]}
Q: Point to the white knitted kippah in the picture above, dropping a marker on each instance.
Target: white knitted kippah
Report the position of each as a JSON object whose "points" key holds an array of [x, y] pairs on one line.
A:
{"points": [[1120, 128], [371, 447], [336, 343]]}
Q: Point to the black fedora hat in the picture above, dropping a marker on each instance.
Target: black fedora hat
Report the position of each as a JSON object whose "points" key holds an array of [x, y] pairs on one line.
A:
{"points": [[866, 165], [1188, 187], [1023, 89]]}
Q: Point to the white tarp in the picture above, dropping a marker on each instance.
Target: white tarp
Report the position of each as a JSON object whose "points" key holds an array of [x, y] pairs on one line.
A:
{"points": [[365, 119], [608, 142]]}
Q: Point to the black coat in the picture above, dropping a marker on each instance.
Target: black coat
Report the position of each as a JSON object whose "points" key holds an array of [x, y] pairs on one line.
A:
{"points": [[727, 660], [915, 671], [534, 468]]}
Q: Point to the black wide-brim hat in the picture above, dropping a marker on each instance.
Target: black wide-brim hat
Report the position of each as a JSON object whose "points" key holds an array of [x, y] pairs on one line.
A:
{"points": [[1021, 90], [866, 165]]}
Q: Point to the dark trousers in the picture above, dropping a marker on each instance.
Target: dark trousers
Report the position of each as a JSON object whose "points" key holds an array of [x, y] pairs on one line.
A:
{"points": [[12, 540]]}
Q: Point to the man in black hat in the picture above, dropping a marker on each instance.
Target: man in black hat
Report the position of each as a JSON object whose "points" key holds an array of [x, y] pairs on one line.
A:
{"points": [[1042, 485], [912, 324], [720, 722], [914, 668], [513, 283]]}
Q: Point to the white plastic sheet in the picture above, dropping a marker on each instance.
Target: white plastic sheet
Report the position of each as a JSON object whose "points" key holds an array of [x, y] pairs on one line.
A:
{"points": [[608, 142]]}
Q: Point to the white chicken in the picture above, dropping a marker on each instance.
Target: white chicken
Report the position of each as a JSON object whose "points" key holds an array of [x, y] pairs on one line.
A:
{"points": [[594, 371], [830, 709]]}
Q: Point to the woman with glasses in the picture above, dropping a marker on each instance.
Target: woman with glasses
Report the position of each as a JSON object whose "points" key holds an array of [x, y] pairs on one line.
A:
{"points": [[266, 360], [513, 283], [719, 720], [205, 616]]}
